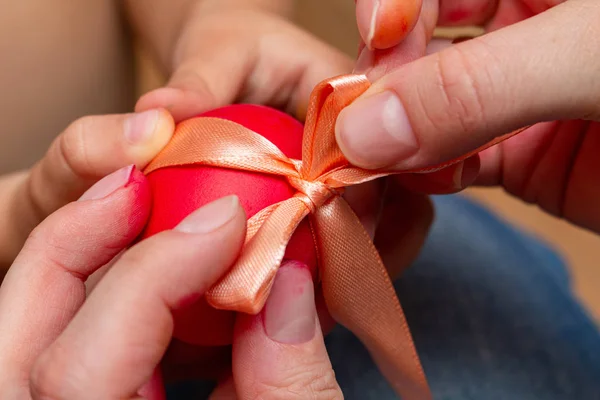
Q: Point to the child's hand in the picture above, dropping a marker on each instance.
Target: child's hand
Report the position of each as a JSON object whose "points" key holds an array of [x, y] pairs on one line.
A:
{"points": [[234, 53], [88, 149]]}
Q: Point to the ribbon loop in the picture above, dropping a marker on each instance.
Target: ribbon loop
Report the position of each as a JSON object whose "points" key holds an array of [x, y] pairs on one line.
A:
{"points": [[313, 193]]}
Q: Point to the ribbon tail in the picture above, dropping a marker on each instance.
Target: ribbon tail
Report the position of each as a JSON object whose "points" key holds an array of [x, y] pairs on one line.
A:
{"points": [[248, 284], [359, 295]]}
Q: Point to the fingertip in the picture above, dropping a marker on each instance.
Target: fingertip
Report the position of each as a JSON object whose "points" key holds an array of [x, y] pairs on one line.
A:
{"points": [[146, 133], [385, 23], [163, 131]]}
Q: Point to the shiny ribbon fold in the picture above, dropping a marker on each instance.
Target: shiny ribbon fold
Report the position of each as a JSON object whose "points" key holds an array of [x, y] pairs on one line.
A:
{"points": [[356, 286]]}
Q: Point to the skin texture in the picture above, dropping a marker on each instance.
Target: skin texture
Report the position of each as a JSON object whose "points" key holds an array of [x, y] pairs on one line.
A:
{"points": [[482, 88]]}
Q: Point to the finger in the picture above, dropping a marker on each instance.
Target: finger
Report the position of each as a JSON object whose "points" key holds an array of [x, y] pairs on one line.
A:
{"points": [[405, 222], [448, 180], [466, 12], [86, 151], [128, 316], [45, 286], [154, 389], [280, 353], [208, 73], [366, 201], [376, 63], [385, 23], [236, 68], [449, 103]]}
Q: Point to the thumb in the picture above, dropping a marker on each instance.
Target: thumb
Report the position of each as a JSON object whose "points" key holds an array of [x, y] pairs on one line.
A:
{"points": [[454, 101], [281, 350], [85, 152]]}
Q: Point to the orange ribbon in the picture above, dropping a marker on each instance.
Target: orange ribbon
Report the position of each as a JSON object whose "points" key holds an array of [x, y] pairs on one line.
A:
{"points": [[356, 286]]}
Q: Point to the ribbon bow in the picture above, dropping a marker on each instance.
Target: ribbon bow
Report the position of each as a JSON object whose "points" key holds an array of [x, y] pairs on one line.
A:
{"points": [[356, 286]]}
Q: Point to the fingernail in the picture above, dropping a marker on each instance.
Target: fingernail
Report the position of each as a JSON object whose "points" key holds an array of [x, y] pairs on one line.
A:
{"points": [[210, 217], [373, 24], [140, 127], [290, 313], [364, 62], [109, 184], [375, 132]]}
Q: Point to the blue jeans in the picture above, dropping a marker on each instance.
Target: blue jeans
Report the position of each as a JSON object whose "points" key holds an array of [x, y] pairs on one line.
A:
{"points": [[492, 314]]}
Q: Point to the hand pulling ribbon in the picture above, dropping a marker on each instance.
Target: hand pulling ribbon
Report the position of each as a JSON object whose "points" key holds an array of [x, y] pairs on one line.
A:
{"points": [[356, 286]]}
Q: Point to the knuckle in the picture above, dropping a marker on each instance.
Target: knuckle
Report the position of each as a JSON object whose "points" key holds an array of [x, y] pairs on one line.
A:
{"points": [[310, 382], [56, 251], [72, 147], [461, 84]]}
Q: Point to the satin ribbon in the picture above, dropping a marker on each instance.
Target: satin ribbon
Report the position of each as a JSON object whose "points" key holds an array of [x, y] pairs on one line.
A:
{"points": [[356, 286]]}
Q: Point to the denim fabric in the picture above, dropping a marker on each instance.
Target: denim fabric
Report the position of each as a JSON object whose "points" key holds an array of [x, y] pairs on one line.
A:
{"points": [[492, 314]]}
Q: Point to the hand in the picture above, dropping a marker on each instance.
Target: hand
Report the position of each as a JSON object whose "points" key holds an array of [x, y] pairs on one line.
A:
{"points": [[237, 52], [451, 102], [57, 344], [280, 353], [232, 51], [87, 150]]}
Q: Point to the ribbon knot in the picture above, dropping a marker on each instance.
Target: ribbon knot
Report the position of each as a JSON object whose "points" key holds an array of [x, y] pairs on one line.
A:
{"points": [[355, 284], [314, 194]]}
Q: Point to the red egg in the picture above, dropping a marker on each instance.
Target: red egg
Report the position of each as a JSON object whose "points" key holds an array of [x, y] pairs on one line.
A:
{"points": [[178, 191]]}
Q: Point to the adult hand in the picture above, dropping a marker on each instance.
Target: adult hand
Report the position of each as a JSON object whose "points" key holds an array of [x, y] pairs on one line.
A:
{"points": [[280, 353], [229, 51], [55, 343], [86, 151], [449, 103]]}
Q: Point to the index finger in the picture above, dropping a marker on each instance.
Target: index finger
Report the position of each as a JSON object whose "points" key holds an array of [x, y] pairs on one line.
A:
{"points": [[112, 346], [45, 286]]}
